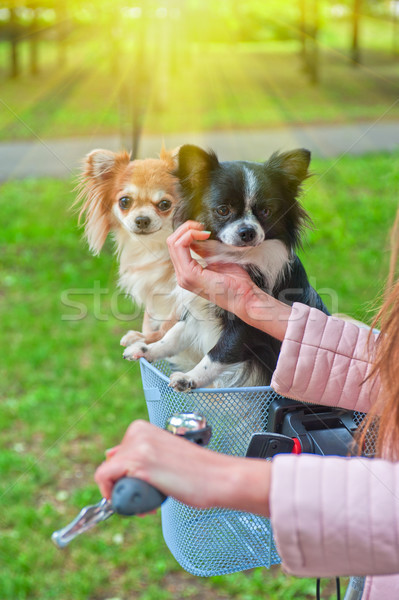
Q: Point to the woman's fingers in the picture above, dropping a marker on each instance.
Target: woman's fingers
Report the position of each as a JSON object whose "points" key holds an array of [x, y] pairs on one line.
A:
{"points": [[220, 281], [107, 474], [188, 271], [186, 234], [110, 452], [180, 238], [185, 239], [132, 457], [185, 227]]}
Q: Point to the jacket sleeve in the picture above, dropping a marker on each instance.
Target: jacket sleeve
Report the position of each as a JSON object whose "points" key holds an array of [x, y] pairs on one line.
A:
{"points": [[332, 515], [325, 360], [335, 516]]}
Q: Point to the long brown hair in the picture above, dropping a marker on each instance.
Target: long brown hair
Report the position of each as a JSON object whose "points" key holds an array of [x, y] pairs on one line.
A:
{"points": [[383, 418]]}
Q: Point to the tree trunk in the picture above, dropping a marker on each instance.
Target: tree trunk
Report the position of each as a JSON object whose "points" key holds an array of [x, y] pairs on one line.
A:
{"points": [[314, 58], [140, 82], [14, 55], [62, 33], [394, 30], [34, 46], [302, 26], [355, 32], [309, 32]]}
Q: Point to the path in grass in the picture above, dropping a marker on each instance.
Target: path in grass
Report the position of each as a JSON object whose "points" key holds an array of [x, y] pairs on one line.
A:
{"points": [[61, 158]]}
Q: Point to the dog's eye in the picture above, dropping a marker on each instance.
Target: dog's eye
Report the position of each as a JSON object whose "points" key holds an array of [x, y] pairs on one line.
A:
{"points": [[222, 210], [125, 202], [265, 212], [164, 205]]}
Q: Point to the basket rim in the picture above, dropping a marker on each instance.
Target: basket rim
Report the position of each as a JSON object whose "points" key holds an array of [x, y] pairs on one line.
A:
{"points": [[145, 365]]}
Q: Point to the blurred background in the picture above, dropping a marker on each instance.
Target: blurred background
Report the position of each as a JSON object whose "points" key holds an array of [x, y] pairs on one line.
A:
{"points": [[83, 68], [245, 78]]}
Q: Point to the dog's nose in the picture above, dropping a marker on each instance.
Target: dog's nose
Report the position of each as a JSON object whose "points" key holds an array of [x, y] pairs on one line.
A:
{"points": [[246, 234], [142, 222]]}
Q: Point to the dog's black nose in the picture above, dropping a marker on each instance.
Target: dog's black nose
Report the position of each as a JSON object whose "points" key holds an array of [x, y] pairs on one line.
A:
{"points": [[142, 222], [246, 234]]}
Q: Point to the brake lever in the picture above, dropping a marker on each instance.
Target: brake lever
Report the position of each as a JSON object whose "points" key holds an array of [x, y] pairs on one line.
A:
{"points": [[132, 496]]}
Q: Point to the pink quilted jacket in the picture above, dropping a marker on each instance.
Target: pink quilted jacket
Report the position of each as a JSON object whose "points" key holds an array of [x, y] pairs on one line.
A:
{"points": [[333, 516]]}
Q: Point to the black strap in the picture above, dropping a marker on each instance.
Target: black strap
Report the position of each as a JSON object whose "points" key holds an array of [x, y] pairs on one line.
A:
{"points": [[318, 581], [337, 584]]}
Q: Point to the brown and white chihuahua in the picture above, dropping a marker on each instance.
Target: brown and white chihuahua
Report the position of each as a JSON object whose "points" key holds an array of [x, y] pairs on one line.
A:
{"points": [[134, 202]]}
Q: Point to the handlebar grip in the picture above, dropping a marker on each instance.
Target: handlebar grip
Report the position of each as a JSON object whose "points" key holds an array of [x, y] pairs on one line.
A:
{"points": [[132, 496]]}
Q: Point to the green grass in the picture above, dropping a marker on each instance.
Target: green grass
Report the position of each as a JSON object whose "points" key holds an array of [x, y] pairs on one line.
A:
{"points": [[186, 86], [66, 394]]}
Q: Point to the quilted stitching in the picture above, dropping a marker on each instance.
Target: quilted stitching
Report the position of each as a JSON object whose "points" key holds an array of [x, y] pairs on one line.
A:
{"points": [[298, 373], [311, 373]]}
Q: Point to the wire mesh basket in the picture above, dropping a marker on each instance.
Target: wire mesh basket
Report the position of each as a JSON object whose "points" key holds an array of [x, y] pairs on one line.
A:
{"points": [[213, 541], [208, 542]]}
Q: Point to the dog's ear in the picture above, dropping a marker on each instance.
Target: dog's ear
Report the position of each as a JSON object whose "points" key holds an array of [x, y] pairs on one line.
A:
{"points": [[94, 189], [294, 165], [193, 170], [291, 169], [195, 166], [101, 165], [171, 157]]}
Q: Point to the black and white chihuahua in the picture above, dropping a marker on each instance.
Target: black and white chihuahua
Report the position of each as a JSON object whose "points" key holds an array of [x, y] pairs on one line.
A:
{"points": [[253, 213]]}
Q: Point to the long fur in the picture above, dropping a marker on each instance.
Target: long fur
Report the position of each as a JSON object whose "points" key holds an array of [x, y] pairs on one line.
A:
{"points": [[145, 270]]}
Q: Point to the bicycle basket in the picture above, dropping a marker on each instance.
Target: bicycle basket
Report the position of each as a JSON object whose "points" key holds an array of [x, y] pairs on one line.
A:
{"points": [[213, 541]]}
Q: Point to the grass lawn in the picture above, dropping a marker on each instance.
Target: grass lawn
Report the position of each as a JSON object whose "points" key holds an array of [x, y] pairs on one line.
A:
{"points": [[178, 85], [66, 395]]}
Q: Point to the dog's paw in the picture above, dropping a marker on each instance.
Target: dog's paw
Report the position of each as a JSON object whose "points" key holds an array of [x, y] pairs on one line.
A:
{"points": [[181, 382], [136, 351], [132, 337]]}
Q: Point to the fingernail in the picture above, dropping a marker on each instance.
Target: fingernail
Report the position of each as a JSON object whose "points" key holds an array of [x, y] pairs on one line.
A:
{"points": [[204, 231]]}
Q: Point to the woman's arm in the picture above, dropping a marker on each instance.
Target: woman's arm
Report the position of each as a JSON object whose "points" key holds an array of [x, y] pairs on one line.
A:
{"points": [[330, 515], [194, 475], [335, 516], [326, 360]]}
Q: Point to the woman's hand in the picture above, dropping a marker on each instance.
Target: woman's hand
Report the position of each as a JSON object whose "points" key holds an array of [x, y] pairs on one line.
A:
{"points": [[179, 468], [226, 284]]}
